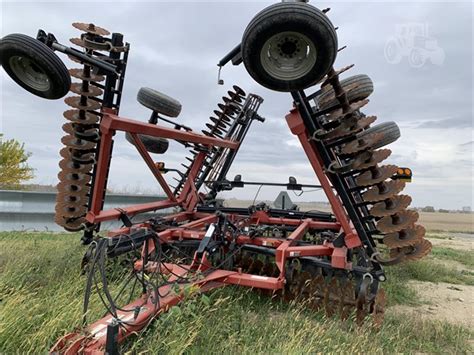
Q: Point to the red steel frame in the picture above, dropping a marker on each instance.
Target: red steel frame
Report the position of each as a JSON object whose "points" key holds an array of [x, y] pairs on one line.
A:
{"points": [[92, 340]]}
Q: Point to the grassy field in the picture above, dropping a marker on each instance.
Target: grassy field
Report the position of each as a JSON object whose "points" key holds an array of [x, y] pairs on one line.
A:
{"points": [[41, 299]]}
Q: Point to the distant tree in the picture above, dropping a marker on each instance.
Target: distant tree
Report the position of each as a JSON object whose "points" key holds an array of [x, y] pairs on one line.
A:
{"points": [[442, 210], [14, 168], [428, 209]]}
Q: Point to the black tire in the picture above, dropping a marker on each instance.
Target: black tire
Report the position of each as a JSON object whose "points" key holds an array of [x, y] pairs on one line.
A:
{"points": [[364, 88], [152, 144], [389, 129], [302, 22], [158, 102], [34, 66]]}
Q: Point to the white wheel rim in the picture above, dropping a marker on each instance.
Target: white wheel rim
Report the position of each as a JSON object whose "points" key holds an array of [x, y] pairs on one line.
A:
{"points": [[288, 56], [29, 73]]}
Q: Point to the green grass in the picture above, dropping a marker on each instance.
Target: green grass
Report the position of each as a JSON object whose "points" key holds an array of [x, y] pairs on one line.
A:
{"points": [[41, 299], [462, 256]]}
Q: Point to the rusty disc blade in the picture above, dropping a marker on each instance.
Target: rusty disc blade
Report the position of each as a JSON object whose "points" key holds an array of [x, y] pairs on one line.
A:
{"points": [[78, 131], [70, 209], [67, 163], [70, 224], [378, 312], [346, 129], [73, 177], [414, 252], [375, 175], [348, 300], [234, 96], [75, 143], [226, 116], [238, 90], [81, 117], [318, 286], [80, 43], [332, 298], [80, 74], [338, 114], [90, 28], [72, 187], [383, 191], [218, 122], [91, 90], [75, 101], [397, 221], [74, 197], [365, 143], [406, 237], [390, 206], [370, 160]]}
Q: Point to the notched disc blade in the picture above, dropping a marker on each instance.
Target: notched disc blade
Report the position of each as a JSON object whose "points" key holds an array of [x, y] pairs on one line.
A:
{"points": [[91, 90], [390, 206], [74, 197], [378, 313], [80, 74], [365, 143], [397, 221], [406, 237], [376, 175], [73, 177], [75, 101], [239, 91], [373, 159], [383, 191], [338, 114], [81, 117], [72, 187], [79, 144], [91, 28], [70, 209], [414, 252], [70, 224], [68, 164]]}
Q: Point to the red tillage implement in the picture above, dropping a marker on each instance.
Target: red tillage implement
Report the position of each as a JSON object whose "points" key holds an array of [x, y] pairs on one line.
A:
{"points": [[329, 260]]}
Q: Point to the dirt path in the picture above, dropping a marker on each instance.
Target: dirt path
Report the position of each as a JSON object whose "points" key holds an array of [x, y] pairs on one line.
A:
{"points": [[447, 302]]}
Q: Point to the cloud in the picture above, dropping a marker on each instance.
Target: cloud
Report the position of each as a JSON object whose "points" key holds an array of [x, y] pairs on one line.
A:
{"points": [[175, 47]]}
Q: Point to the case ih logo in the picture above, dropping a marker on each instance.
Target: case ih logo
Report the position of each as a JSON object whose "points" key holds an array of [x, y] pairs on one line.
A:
{"points": [[414, 42]]}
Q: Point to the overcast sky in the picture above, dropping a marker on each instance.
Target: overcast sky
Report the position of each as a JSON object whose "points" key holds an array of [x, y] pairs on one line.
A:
{"points": [[175, 47]]}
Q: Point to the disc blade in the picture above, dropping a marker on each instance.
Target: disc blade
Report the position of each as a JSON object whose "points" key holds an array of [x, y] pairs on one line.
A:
{"points": [[390, 206], [404, 238], [397, 221], [73, 166], [75, 143], [378, 312], [372, 159], [80, 74], [70, 209], [358, 144], [414, 252], [75, 101], [81, 117], [375, 175], [74, 177], [72, 187], [90, 92], [90, 28], [383, 191]]}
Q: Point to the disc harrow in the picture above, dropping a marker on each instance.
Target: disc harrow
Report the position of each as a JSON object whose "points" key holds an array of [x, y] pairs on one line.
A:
{"points": [[331, 262], [82, 133]]}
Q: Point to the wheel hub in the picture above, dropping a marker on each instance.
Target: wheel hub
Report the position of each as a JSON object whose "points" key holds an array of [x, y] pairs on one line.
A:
{"points": [[288, 55], [29, 73]]}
